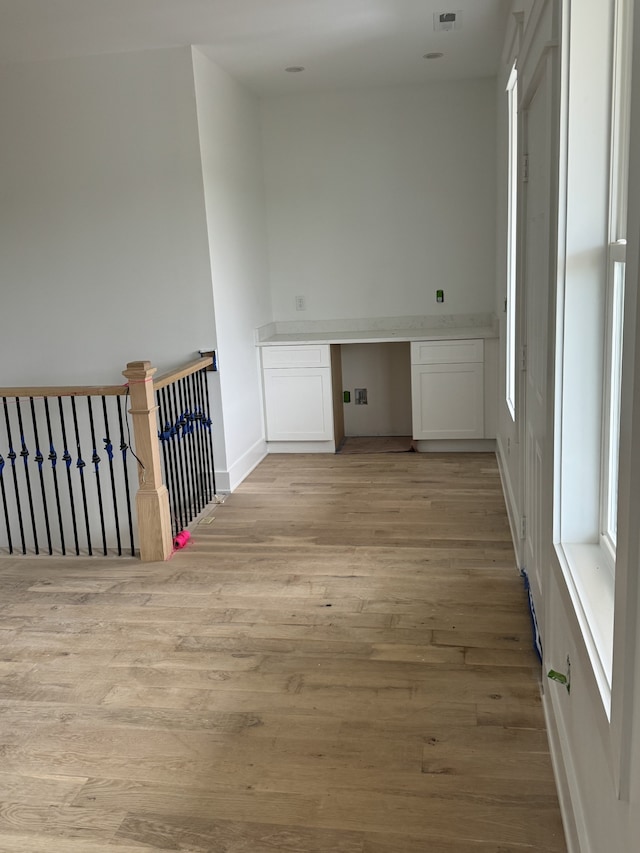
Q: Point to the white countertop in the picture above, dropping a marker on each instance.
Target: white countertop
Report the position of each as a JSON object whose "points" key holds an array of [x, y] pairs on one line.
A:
{"points": [[370, 336], [440, 327]]}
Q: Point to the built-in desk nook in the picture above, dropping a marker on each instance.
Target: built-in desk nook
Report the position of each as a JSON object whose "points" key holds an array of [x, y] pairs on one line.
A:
{"points": [[436, 381]]}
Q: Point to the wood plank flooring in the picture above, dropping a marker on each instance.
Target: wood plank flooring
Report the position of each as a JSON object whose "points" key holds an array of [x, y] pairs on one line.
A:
{"points": [[339, 662]]}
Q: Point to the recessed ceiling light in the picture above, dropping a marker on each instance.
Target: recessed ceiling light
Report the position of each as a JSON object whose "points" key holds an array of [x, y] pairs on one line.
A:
{"points": [[293, 69], [433, 56]]}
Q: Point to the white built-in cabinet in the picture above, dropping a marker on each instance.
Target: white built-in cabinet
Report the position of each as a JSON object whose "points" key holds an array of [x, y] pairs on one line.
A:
{"points": [[447, 389], [298, 397], [303, 395]]}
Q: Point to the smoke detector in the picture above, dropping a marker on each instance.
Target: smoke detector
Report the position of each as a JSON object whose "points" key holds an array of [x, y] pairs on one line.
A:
{"points": [[446, 21]]}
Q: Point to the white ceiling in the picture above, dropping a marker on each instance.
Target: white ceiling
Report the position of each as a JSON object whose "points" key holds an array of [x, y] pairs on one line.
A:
{"points": [[341, 43]]}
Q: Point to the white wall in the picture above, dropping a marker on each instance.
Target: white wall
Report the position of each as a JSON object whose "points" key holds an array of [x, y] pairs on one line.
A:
{"points": [[602, 755], [102, 229], [597, 759], [376, 198], [228, 121]]}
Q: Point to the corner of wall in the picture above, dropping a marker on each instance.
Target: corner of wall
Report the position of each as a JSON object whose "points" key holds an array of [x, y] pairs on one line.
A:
{"points": [[228, 480]]}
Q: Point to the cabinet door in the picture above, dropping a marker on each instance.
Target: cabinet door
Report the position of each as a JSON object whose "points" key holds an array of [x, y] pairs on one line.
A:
{"points": [[298, 404], [447, 400]]}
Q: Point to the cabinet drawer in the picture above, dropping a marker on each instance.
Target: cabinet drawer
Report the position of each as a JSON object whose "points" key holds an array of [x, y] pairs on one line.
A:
{"points": [[447, 352], [307, 355]]}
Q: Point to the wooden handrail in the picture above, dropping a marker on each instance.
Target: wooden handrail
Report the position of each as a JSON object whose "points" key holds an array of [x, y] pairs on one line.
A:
{"points": [[179, 373], [66, 391]]}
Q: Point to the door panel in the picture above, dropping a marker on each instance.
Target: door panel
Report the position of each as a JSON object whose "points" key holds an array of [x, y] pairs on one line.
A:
{"points": [[536, 286]]}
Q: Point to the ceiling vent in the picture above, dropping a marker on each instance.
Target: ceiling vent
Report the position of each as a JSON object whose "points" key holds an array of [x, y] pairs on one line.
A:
{"points": [[446, 21]]}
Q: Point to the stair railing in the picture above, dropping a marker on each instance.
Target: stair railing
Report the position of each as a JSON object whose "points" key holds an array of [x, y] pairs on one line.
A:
{"points": [[171, 412], [66, 457], [65, 471]]}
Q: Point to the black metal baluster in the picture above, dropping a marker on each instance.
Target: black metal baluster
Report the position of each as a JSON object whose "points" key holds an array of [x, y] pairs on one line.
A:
{"points": [[202, 459], [193, 425], [173, 456], [67, 459], [125, 470], [165, 437], [197, 432], [66, 456], [39, 458], [108, 447], [53, 458], [186, 441], [11, 456], [95, 459], [175, 446], [80, 465], [182, 451], [182, 425], [24, 453], [207, 439], [4, 504], [197, 441], [208, 435], [176, 442], [195, 436]]}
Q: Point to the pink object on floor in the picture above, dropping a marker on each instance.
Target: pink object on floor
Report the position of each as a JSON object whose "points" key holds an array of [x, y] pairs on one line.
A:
{"points": [[181, 539]]}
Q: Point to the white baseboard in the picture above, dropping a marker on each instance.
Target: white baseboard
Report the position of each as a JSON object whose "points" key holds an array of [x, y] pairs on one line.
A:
{"points": [[229, 480], [455, 445], [513, 512], [301, 447], [567, 793]]}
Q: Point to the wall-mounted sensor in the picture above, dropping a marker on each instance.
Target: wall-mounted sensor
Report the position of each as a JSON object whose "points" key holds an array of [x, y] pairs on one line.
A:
{"points": [[439, 295], [444, 22]]}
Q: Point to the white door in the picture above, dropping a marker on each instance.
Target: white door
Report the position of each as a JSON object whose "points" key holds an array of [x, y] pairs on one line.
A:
{"points": [[447, 400], [298, 404], [536, 271]]}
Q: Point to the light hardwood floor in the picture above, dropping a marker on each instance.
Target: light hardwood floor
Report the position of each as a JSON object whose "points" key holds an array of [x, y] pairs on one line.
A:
{"points": [[339, 662]]}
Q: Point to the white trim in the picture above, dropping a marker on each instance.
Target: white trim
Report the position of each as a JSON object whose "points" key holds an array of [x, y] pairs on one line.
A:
{"points": [[455, 445], [624, 717], [535, 19], [301, 447], [589, 581], [513, 38], [561, 266], [620, 119], [611, 396], [513, 511], [565, 777], [514, 179]]}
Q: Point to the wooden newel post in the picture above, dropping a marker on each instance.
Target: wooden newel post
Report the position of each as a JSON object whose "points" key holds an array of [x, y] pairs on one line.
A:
{"points": [[152, 499]]}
